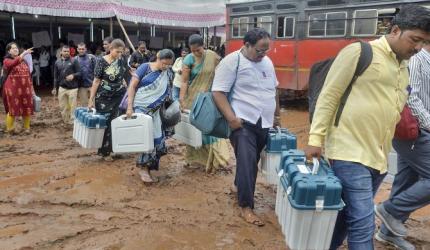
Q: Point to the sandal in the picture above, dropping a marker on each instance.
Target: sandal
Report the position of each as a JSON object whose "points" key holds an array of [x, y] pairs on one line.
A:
{"points": [[146, 177], [249, 216], [108, 158]]}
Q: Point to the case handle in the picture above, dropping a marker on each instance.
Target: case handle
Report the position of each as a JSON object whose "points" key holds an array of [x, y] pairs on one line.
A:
{"points": [[316, 166]]}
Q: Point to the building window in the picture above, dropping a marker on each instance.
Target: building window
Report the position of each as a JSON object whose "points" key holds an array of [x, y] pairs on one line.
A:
{"points": [[327, 24], [286, 27], [265, 22], [364, 22]]}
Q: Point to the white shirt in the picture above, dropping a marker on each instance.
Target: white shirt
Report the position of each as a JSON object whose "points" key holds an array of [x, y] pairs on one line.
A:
{"points": [[254, 93], [419, 79], [44, 59], [177, 66]]}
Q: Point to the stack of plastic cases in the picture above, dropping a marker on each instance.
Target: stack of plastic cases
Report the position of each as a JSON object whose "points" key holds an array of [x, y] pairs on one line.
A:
{"points": [[278, 141], [132, 135], [88, 128], [187, 133], [95, 126], [289, 157], [310, 205], [77, 125]]}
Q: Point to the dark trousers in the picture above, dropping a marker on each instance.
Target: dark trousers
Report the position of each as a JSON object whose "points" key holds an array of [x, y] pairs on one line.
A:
{"points": [[248, 142], [45, 76], [411, 186]]}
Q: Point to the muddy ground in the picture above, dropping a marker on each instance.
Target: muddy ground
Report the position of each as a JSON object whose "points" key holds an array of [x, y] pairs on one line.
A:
{"points": [[56, 195]]}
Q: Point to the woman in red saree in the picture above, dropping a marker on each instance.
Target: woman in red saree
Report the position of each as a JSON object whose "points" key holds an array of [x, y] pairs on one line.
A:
{"points": [[18, 88]]}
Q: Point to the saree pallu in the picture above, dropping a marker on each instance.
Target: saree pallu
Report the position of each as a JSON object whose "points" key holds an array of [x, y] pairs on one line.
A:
{"points": [[215, 153]]}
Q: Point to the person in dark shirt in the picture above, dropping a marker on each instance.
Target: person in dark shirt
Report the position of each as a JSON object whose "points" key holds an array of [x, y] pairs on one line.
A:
{"points": [[87, 63], [67, 73], [140, 56]]}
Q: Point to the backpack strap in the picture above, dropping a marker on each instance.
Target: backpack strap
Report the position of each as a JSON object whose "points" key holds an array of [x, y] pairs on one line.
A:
{"points": [[366, 56]]}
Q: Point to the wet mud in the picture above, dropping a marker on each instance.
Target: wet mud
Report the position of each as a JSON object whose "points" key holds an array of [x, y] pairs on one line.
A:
{"points": [[56, 195]]}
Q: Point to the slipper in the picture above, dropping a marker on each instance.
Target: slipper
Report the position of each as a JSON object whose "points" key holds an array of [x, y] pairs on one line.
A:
{"points": [[108, 158], [252, 218], [146, 177], [233, 189]]}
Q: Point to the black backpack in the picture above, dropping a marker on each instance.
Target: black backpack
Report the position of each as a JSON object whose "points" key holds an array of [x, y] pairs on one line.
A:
{"points": [[319, 72]]}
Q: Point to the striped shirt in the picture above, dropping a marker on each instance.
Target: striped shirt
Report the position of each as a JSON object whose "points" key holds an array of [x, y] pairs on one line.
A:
{"points": [[419, 99]]}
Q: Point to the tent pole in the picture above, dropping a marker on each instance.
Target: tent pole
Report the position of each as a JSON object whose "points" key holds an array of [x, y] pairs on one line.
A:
{"points": [[12, 19], [51, 34], [92, 31], [215, 42], [125, 34]]}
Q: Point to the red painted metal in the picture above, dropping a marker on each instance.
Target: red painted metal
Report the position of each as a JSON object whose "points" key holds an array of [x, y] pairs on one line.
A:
{"points": [[293, 59]]}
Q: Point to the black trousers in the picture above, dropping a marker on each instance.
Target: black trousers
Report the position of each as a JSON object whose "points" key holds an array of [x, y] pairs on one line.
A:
{"points": [[248, 142]]}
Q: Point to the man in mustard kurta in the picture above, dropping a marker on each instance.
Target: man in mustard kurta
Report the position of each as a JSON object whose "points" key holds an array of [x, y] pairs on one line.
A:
{"points": [[359, 145]]}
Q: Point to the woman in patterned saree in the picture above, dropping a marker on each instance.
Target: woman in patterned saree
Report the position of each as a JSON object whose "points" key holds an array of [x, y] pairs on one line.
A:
{"points": [[149, 89], [108, 89], [198, 72]]}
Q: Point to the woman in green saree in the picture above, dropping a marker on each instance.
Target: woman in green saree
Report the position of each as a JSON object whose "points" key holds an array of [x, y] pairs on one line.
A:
{"points": [[197, 75]]}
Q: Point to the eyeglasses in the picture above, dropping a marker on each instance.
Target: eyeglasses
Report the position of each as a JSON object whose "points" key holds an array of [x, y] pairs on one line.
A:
{"points": [[262, 51]]}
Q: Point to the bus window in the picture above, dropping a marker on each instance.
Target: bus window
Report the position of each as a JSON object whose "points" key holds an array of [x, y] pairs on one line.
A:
{"points": [[327, 24], [240, 9], [385, 18], [235, 27], [285, 27], [239, 26], [324, 3], [317, 25], [265, 22], [336, 24], [262, 7], [285, 6], [364, 22], [243, 26]]}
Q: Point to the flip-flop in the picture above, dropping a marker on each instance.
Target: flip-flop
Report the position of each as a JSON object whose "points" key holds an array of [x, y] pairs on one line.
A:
{"points": [[252, 219], [145, 177]]}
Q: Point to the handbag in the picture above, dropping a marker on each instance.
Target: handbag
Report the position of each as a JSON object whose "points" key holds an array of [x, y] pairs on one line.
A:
{"points": [[123, 105], [407, 128], [205, 116]]}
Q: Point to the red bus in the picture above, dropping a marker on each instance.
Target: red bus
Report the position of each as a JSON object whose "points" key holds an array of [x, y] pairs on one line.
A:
{"points": [[308, 31]]}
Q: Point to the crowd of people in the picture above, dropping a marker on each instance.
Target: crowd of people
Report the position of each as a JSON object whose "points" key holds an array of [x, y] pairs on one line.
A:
{"points": [[244, 87]]}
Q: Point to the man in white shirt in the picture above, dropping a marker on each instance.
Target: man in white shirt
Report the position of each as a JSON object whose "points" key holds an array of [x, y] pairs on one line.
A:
{"points": [[250, 76], [177, 69], [45, 70]]}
